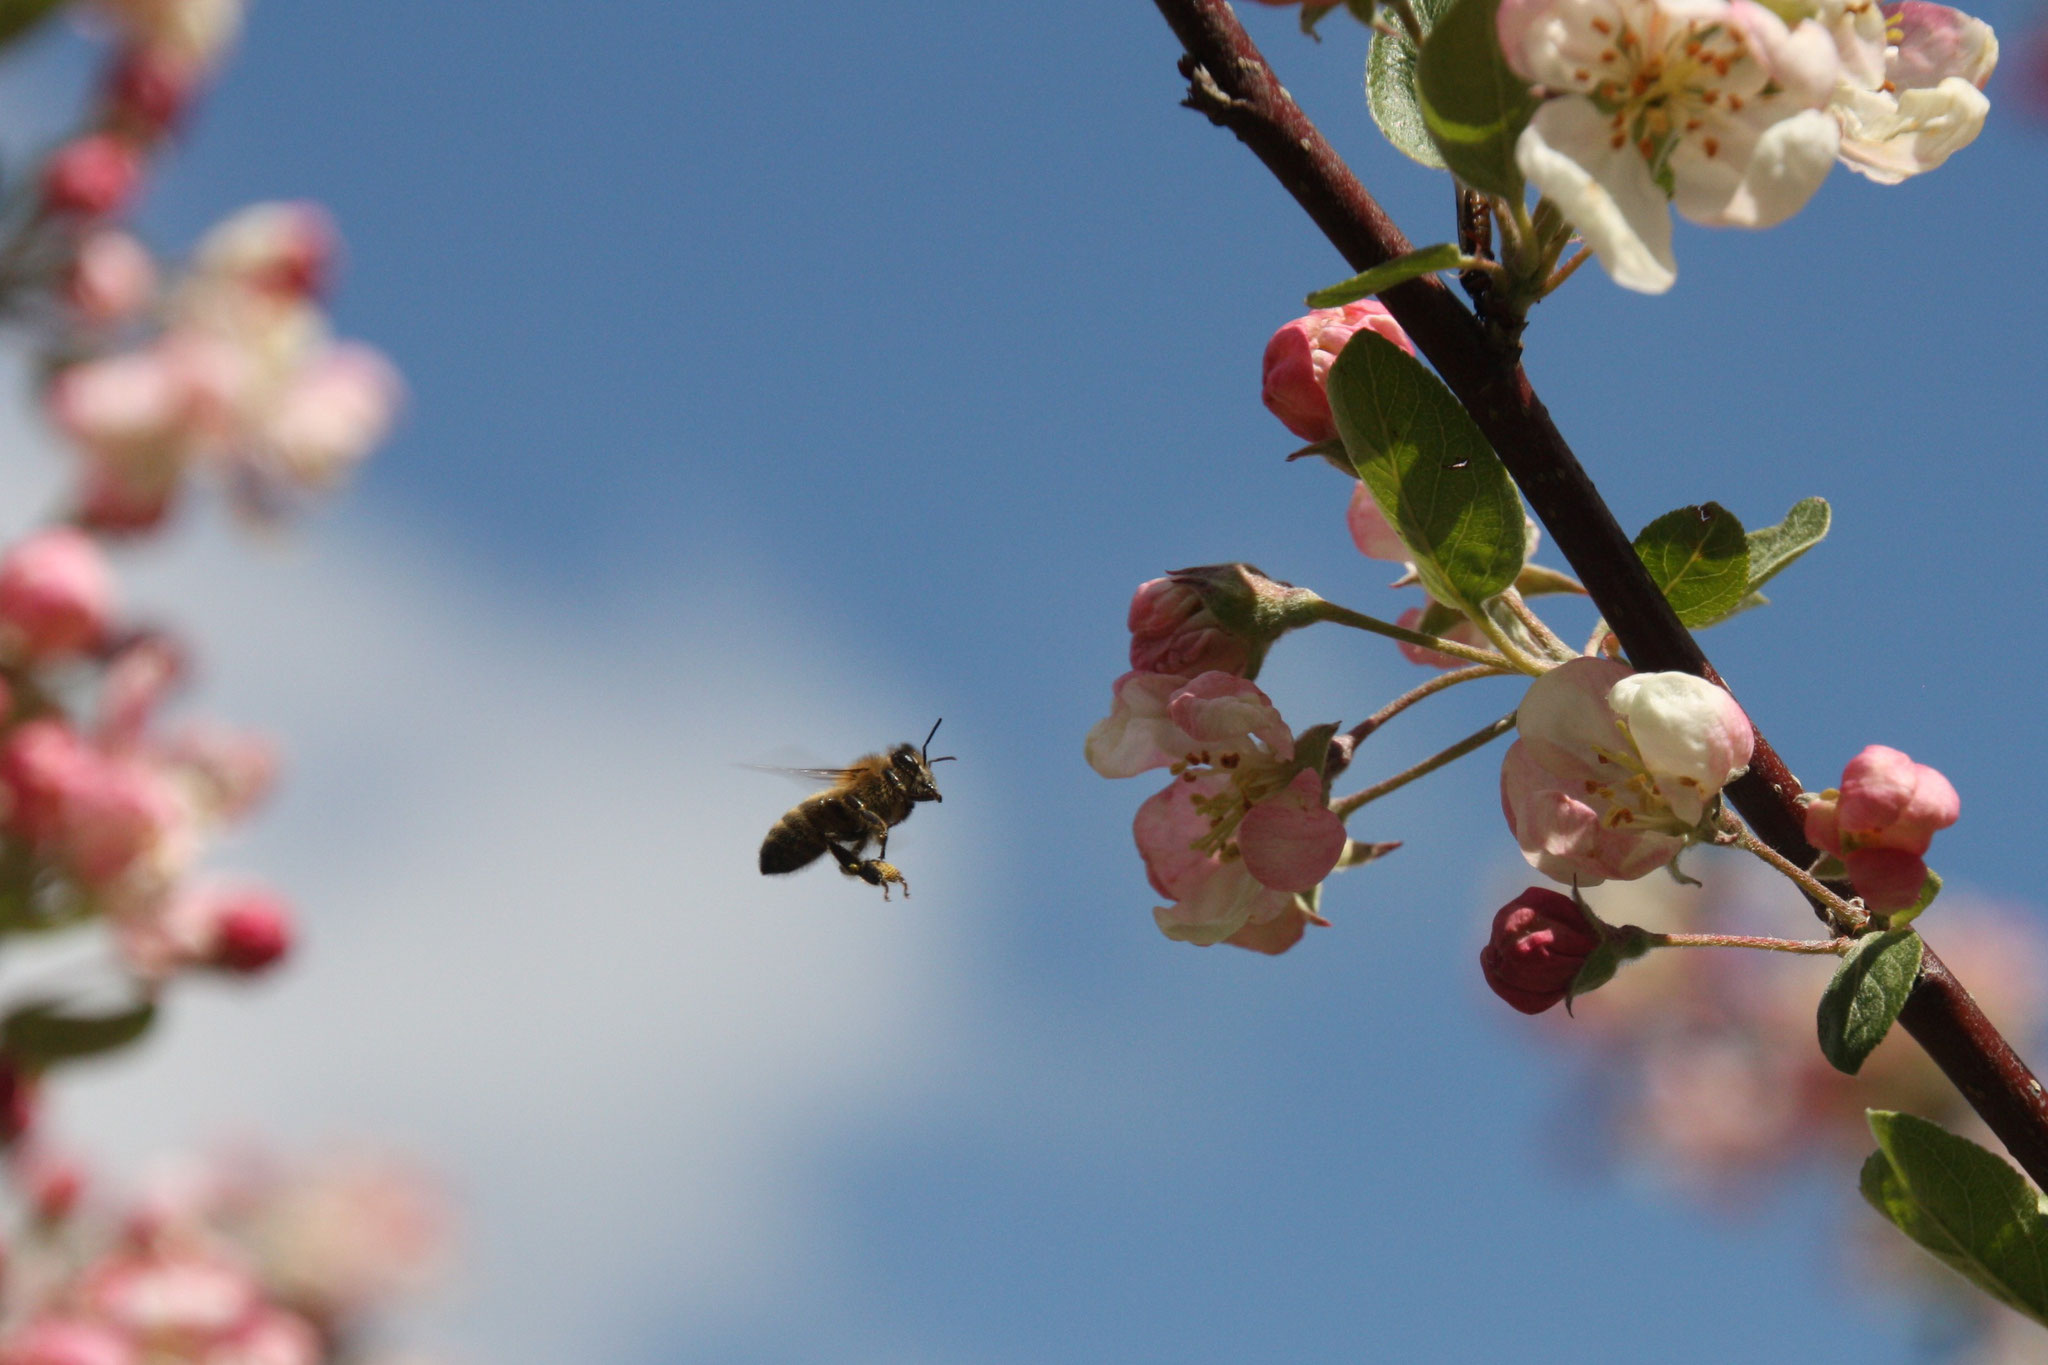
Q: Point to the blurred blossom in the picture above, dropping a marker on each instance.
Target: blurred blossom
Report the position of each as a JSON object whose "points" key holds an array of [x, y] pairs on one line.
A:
{"points": [[92, 176], [56, 595], [112, 278], [194, 30]]}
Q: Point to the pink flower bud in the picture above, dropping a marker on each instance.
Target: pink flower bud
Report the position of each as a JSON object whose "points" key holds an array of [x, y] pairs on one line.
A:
{"points": [[56, 594], [67, 1341], [272, 1337], [1298, 360], [148, 89], [1172, 631], [252, 930], [53, 1184], [111, 279], [1880, 823], [1370, 531], [1540, 941], [177, 1298], [92, 176]]}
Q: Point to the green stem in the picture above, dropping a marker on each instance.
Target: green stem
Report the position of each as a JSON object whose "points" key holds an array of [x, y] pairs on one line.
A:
{"points": [[1358, 620], [1478, 739]]}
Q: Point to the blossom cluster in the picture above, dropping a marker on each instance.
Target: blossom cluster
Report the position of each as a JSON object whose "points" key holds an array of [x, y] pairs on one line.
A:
{"points": [[1732, 111], [233, 1260]]}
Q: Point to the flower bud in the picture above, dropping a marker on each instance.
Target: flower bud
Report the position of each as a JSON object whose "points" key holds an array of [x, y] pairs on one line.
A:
{"points": [[92, 176], [1235, 601], [1370, 530], [1172, 631], [56, 594], [1880, 823], [252, 930], [1298, 360], [148, 89], [1541, 940], [286, 249]]}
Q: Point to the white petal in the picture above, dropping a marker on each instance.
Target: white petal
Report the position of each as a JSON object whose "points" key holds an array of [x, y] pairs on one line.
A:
{"points": [[1887, 139], [1604, 191], [1758, 185]]}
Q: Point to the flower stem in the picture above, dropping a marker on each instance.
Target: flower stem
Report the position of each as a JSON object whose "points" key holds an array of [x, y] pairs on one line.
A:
{"points": [[1358, 620], [1406, 12], [1424, 691], [1846, 917], [1831, 946], [1478, 739]]}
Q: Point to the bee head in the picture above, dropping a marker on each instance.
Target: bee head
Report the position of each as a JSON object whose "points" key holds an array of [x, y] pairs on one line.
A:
{"points": [[916, 769]]}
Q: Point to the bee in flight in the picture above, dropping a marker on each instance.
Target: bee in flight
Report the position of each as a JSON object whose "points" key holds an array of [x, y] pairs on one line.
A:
{"points": [[864, 802]]}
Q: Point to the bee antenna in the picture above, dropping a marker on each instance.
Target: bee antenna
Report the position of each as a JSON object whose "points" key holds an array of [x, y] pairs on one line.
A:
{"points": [[948, 758], [925, 747]]}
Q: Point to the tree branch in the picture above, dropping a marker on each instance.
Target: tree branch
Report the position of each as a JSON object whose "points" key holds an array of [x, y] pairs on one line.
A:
{"points": [[1230, 82]]}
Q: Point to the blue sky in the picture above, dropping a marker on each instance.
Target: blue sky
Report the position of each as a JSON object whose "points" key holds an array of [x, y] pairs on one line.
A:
{"points": [[785, 379]]}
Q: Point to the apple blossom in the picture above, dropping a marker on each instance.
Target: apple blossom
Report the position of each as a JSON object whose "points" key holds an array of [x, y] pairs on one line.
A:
{"points": [[1172, 631], [1715, 107], [195, 29], [56, 595], [1541, 940], [1212, 892], [1614, 770], [1880, 823], [1911, 90], [1370, 530], [1299, 356], [1159, 720], [283, 248]]}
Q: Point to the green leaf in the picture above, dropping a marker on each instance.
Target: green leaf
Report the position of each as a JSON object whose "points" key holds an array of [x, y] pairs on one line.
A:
{"points": [[1390, 88], [1425, 261], [1865, 995], [1473, 106], [1771, 548], [1443, 490], [1700, 558], [1966, 1205], [1929, 889], [46, 1031], [17, 17]]}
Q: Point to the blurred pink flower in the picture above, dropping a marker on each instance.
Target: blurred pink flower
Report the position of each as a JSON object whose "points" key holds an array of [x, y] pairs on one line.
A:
{"points": [[112, 278], [92, 176], [56, 595]]}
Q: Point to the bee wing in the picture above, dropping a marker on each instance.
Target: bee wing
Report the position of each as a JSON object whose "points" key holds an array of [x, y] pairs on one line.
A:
{"points": [[811, 775]]}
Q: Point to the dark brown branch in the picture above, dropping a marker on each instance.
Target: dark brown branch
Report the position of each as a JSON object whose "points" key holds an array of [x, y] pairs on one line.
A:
{"points": [[1230, 82]]}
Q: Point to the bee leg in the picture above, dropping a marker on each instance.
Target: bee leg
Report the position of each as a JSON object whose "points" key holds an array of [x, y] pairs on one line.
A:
{"points": [[878, 828], [875, 872]]}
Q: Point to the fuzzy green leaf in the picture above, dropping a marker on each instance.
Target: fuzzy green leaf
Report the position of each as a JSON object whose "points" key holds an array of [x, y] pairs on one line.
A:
{"points": [[1390, 88], [1865, 995], [1967, 1206], [1443, 490], [1473, 106], [1427, 260], [1700, 558], [47, 1031], [1772, 548]]}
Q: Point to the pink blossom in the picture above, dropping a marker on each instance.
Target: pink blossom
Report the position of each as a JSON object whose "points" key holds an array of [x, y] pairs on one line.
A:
{"points": [[1211, 897], [67, 1341], [344, 1235], [194, 30], [101, 814], [56, 594], [112, 278], [92, 176], [1881, 822], [272, 1337], [148, 89], [1614, 769], [1174, 632], [1298, 360], [226, 773], [1160, 719], [52, 1182], [333, 413], [178, 1298], [277, 248], [1540, 941]]}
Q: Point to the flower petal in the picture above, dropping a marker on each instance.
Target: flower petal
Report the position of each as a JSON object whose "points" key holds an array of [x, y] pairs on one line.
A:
{"points": [[1605, 191]]}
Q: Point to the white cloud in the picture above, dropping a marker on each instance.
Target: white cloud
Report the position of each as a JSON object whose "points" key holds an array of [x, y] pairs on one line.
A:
{"points": [[537, 948]]}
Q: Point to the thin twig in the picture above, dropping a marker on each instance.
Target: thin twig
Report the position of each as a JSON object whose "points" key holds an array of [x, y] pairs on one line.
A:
{"points": [[1478, 739]]}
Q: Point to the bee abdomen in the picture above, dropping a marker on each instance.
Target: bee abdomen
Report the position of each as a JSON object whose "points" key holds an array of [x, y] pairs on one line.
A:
{"points": [[790, 845]]}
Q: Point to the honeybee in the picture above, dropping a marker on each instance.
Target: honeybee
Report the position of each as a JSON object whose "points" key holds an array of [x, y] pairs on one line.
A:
{"points": [[864, 802]]}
